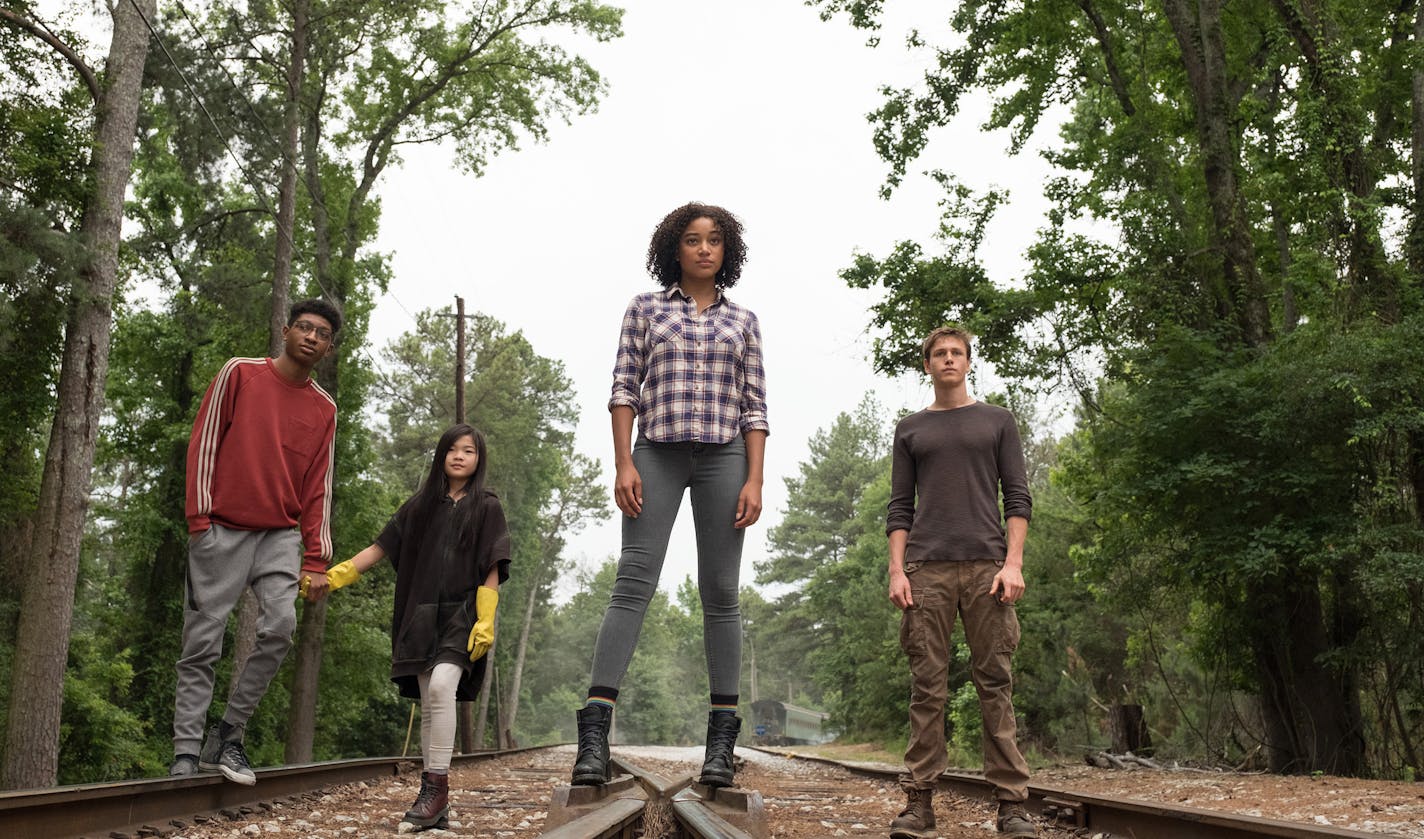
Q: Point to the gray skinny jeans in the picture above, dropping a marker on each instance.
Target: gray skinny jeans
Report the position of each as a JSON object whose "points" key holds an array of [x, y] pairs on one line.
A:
{"points": [[716, 474]]}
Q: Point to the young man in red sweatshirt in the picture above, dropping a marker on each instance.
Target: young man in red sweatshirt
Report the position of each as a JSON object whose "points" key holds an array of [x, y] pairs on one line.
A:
{"points": [[259, 507]]}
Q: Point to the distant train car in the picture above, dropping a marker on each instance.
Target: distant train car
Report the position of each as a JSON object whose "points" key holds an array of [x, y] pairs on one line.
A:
{"points": [[779, 724]]}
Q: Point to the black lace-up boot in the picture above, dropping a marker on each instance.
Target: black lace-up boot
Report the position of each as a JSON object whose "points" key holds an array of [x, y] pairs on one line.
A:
{"points": [[591, 765], [432, 802], [722, 730]]}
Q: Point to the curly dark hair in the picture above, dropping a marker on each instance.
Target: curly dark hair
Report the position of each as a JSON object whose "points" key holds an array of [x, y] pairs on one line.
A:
{"points": [[662, 250], [316, 306]]}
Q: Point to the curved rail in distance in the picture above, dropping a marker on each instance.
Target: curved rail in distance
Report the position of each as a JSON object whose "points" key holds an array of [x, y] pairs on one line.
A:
{"points": [[1115, 816]]}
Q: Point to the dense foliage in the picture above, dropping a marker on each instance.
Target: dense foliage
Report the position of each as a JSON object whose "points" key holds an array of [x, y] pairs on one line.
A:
{"points": [[220, 230], [1229, 280], [1226, 288]]}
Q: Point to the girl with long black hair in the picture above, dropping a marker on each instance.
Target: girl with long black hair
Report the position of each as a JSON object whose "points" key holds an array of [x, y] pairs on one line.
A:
{"points": [[449, 545]]}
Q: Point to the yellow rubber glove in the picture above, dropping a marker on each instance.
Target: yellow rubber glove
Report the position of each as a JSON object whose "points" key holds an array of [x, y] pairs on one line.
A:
{"points": [[482, 633], [341, 574]]}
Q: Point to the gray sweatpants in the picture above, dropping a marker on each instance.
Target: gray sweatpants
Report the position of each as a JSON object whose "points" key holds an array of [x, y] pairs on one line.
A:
{"points": [[715, 474], [222, 564]]}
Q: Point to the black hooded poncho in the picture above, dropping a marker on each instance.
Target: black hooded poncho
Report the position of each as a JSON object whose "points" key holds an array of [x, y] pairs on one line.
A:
{"points": [[435, 588]]}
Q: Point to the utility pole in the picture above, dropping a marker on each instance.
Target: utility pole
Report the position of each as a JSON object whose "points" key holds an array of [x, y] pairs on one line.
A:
{"points": [[459, 317], [459, 358], [465, 715]]}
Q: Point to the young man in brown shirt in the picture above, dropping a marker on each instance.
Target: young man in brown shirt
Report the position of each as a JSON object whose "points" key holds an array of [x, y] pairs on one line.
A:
{"points": [[950, 553]]}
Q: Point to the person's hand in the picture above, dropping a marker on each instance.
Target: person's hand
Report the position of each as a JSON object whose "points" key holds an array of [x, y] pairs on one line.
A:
{"points": [[1008, 585], [482, 633], [628, 490], [313, 587], [900, 590], [748, 504], [342, 574]]}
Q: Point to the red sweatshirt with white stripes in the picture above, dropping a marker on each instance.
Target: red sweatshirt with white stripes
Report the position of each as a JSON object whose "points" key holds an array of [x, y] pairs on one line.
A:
{"points": [[261, 456]]}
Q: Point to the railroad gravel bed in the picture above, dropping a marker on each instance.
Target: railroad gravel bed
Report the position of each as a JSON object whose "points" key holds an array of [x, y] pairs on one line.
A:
{"points": [[505, 797], [508, 797], [1389, 808]]}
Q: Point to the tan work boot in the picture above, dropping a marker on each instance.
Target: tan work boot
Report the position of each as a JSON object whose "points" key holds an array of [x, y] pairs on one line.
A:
{"points": [[916, 821]]}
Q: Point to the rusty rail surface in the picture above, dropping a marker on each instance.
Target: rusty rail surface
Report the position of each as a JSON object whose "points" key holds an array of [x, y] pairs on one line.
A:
{"points": [[1116, 817]]}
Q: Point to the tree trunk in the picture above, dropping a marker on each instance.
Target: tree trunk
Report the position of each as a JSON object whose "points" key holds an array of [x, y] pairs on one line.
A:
{"points": [[306, 672], [47, 598], [287, 189], [1129, 732], [244, 636], [1312, 713], [1239, 293], [1415, 245], [486, 691], [301, 713], [301, 719], [1373, 287], [516, 678]]}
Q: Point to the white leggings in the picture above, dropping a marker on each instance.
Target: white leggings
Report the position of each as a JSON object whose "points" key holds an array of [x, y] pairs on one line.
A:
{"points": [[437, 715]]}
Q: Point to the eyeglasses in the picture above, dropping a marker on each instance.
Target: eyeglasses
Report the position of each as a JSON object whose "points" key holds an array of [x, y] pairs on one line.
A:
{"points": [[306, 327]]}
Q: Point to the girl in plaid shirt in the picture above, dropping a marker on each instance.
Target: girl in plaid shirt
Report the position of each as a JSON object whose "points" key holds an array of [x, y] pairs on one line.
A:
{"points": [[689, 368]]}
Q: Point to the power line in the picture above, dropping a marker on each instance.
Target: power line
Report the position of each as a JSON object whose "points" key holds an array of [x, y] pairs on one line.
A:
{"points": [[208, 45], [251, 178], [413, 319]]}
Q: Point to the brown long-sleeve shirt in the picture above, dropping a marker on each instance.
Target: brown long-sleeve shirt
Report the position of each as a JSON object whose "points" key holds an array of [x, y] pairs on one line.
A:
{"points": [[947, 471]]}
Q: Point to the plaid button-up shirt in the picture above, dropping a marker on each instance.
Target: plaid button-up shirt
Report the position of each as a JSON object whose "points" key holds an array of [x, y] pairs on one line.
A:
{"points": [[689, 376]]}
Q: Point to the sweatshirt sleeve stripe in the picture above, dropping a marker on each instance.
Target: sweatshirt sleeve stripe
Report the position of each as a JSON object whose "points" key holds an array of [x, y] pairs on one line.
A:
{"points": [[210, 436], [324, 529]]}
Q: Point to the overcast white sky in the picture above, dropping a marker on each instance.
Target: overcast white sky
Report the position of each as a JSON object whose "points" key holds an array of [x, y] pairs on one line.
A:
{"points": [[756, 105]]}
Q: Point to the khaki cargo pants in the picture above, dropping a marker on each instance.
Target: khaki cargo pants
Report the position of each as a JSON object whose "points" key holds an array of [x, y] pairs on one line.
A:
{"points": [[941, 590]]}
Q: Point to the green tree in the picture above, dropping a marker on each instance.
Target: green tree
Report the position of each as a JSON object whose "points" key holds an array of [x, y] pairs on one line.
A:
{"points": [[1241, 158], [817, 531], [47, 595], [480, 75], [663, 698]]}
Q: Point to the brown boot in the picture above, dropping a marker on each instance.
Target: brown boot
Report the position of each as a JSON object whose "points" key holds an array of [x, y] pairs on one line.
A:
{"points": [[916, 821], [1014, 820], [432, 803]]}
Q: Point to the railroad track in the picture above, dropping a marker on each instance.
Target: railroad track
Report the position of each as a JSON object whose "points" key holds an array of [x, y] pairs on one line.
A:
{"points": [[157, 806], [1066, 812], [521, 793], [643, 803]]}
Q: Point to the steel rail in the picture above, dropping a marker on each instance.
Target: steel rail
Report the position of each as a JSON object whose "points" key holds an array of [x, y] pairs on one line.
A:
{"points": [[689, 803], [701, 821], [615, 810], [127, 806], [618, 818], [624, 811], [1124, 817]]}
